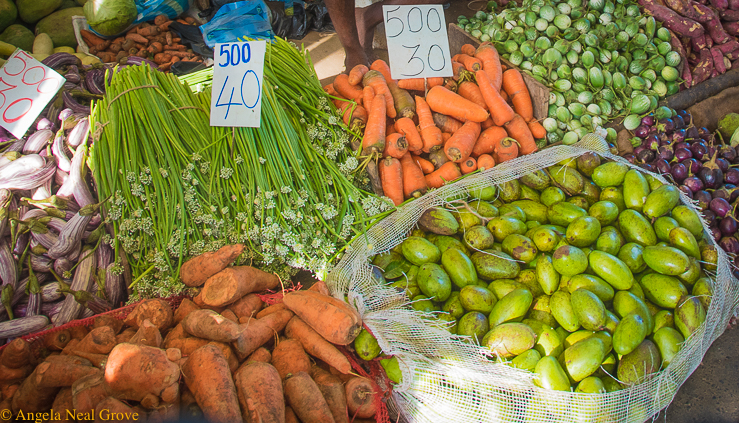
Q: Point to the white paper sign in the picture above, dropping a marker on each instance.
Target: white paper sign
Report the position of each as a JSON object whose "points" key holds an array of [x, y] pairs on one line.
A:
{"points": [[26, 87], [417, 42], [236, 97]]}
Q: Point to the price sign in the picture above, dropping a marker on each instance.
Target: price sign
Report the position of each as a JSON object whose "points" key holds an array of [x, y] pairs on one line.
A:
{"points": [[236, 98], [417, 42], [26, 86]]}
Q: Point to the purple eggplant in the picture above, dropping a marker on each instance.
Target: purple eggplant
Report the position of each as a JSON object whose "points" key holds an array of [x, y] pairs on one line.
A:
{"points": [[715, 233], [647, 166], [728, 225], [685, 115], [662, 166], [683, 154], [729, 244], [652, 142], [679, 172], [642, 131], [665, 153], [727, 153], [678, 135], [678, 121], [694, 183], [666, 125], [704, 133], [646, 155], [692, 133], [711, 173], [688, 193], [630, 157], [710, 218], [693, 166], [720, 206], [732, 176], [699, 150], [647, 120]]}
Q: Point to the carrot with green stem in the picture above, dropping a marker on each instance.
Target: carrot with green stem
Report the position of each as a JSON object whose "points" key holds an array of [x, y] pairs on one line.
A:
{"points": [[357, 73], [507, 149], [447, 124], [395, 145], [347, 90], [443, 101], [425, 165], [488, 140], [460, 145], [470, 63], [430, 133], [448, 172], [330, 90], [515, 87], [373, 141], [353, 115], [485, 161], [499, 109], [519, 131], [406, 127], [391, 175], [488, 55], [378, 83], [459, 73], [414, 182]]}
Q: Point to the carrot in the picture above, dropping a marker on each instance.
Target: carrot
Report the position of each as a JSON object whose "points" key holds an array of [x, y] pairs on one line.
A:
{"points": [[450, 84], [160, 19], [506, 150], [460, 145], [488, 140], [395, 145], [99, 341], [519, 131], [330, 90], [321, 287], [136, 38], [389, 127], [148, 334], [391, 175], [467, 166], [381, 66], [208, 377], [62, 372], [258, 331], [443, 101], [445, 136], [438, 158], [414, 183], [500, 111], [208, 324], [360, 397], [246, 306], [374, 132], [333, 319], [357, 73], [490, 59], [229, 285], [332, 389], [271, 309], [537, 130], [468, 49], [306, 400], [29, 397], [408, 129], [425, 165], [459, 73], [368, 94], [261, 354], [290, 416], [156, 310], [79, 332], [91, 39], [470, 63], [315, 345], [127, 334], [378, 83], [430, 133], [420, 84], [53, 342], [149, 31], [487, 124], [403, 101], [259, 389], [471, 92], [345, 89], [17, 353], [515, 87], [485, 161], [353, 115], [289, 356], [197, 270], [449, 171], [447, 124]]}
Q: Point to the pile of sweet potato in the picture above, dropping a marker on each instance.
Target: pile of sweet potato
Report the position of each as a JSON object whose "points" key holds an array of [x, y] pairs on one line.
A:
{"points": [[222, 357], [152, 41]]}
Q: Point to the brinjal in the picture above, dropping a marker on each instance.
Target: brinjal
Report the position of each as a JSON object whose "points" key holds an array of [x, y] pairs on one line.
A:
{"points": [[693, 166], [715, 233], [720, 206], [686, 191], [679, 172], [678, 121], [728, 225], [699, 150], [732, 176], [678, 135], [710, 218], [647, 121], [662, 166], [666, 125], [729, 244], [728, 153], [642, 131], [683, 154], [711, 174], [646, 156], [665, 153], [694, 183]]}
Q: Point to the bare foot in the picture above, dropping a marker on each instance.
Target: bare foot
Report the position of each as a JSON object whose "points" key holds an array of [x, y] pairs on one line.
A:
{"points": [[354, 58], [367, 18]]}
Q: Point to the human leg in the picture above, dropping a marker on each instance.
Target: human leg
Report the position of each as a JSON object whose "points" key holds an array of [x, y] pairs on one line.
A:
{"points": [[343, 19]]}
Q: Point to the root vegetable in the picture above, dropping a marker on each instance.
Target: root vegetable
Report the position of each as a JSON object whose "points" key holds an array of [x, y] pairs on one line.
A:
{"points": [[229, 285], [32, 398], [56, 341], [230, 315], [100, 340], [148, 334], [106, 320], [208, 377], [62, 373], [360, 398], [306, 399], [157, 311], [208, 324], [196, 271], [259, 389], [134, 372], [290, 416], [673, 21], [271, 309], [187, 345], [333, 319], [88, 392], [333, 392], [261, 354], [186, 306], [63, 401], [110, 407], [258, 331], [125, 336], [290, 357], [246, 306], [17, 354]]}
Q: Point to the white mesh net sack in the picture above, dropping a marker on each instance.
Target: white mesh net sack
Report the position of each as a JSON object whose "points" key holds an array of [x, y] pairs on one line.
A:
{"points": [[448, 380]]}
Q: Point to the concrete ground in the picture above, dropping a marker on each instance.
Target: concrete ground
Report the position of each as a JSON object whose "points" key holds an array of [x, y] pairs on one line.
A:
{"points": [[711, 394]]}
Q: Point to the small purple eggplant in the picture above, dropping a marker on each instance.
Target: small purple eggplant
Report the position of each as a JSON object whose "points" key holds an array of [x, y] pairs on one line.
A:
{"points": [[641, 131], [729, 244], [662, 166], [692, 133], [683, 154], [694, 183], [679, 172], [710, 218], [648, 120], [720, 206], [728, 225], [732, 176]]}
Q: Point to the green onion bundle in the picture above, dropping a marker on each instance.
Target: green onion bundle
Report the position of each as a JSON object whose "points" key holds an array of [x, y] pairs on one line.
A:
{"points": [[179, 188]]}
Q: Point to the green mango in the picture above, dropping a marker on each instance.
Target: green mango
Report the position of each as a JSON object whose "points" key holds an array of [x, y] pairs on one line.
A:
{"points": [[366, 345], [434, 282], [625, 303], [503, 226], [636, 189], [419, 251], [587, 163], [393, 265], [527, 277], [643, 361], [466, 219], [709, 256], [423, 303], [607, 339], [610, 174], [479, 238], [409, 287], [612, 321], [561, 306], [704, 291], [493, 265], [653, 309], [669, 341], [663, 319], [611, 384], [534, 210], [564, 213], [590, 192], [661, 201], [546, 275], [562, 332], [550, 375], [448, 322], [526, 360], [666, 260], [537, 180], [589, 309], [511, 308], [663, 226], [419, 233], [474, 324], [630, 332], [683, 240], [611, 269], [636, 228], [577, 336], [439, 221], [569, 260], [510, 210], [459, 267], [477, 298], [485, 194], [444, 243], [689, 315], [688, 219], [594, 284], [509, 339], [614, 195], [631, 255], [567, 178], [605, 211], [509, 191], [453, 305], [583, 231], [529, 194], [545, 238], [579, 201], [583, 359], [519, 247], [609, 241], [501, 287], [693, 273], [591, 385], [636, 288], [552, 195], [484, 209], [541, 311], [392, 369]]}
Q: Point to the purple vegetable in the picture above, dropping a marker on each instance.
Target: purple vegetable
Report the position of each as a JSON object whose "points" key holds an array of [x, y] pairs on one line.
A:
{"points": [[729, 244], [699, 150], [715, 233], [683, 154], [686, 191], [641, 131], [652, 142], [732, 176], [679, 172], [704, 133], [662, 166], [678, 135], [710, 218], [693, 165], [647, 121], [692, 133], [647, 166], [646, 156], [728, 225], [666, 153], [678, 121], [694, 183], [720, 206], [667, 125], [682, 145], [727, 153], [685, 115], [722, 164], [630, 157]]}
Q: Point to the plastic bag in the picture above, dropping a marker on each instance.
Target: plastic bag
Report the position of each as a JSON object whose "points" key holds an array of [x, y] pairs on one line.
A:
{"points": [[150, 9], [289, 20], [240, 20], [192, 37], [318, 18]]}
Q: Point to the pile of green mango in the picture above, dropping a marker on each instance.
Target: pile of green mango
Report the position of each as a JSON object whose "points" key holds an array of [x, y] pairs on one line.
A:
{"points": [[588, 273]]}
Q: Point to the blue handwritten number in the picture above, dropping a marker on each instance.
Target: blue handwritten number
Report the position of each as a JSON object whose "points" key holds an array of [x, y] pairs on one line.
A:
{"points": [[235, 58], [224, 50], [229, 104], [259, 89], [245, 52]]}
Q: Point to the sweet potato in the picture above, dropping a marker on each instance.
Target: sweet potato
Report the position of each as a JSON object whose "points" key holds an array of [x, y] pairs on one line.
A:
{"points": [[732, 28], [718, 60], [63, 372], [125, 336], [333, 392], [134, 372], [88, 392], [271, 309], [56, 341], [10, 376], [70, 346], [208, 324], [333, 319], [672, 20], [261, 354], [78, 332], [157, 311], [63, 401], [32, 398], [228, 354], [289, 356], [207, 376], [360, 397], [189, 408], [702, 70], [259, 388], [228, 314], [247, 306], [187, 345], [290, 416], [716, 31], [729, 15], [148, 334], [198, 300], [306, 400], [320, 286], [17, 354], [160, 19], [98, 360], [229, 285], [100, 340], [185, 307], [110, 321], [258, 331], [197, 270], [315, 345]]}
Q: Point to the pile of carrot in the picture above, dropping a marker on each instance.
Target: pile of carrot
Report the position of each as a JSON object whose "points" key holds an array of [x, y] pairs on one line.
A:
{"points": [[223, 356], [480, 117], [153, 41]]}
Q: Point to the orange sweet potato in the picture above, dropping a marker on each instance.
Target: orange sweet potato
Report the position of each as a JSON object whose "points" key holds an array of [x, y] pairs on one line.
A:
{"points": [[157, 311], [290, 357], [138, 372], [229, 285], [186, 306], [305, 399], [247, 306], [315, 345], [208, 324], [333, 319], [100, 340], [271, 309], [148, 334], [197, 270], [360, 397], [258, 331], [261, 354], [259, 388], [207, 376]]}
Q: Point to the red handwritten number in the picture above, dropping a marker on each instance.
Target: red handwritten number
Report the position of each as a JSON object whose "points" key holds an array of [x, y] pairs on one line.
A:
{"points": [[2, 93], [33, 74], [9, 62], [5, 113]]}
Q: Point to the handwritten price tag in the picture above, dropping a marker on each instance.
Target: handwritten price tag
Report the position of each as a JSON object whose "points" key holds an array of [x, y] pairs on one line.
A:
{"points": [[417, 42], [236, 99], [26, 86]]}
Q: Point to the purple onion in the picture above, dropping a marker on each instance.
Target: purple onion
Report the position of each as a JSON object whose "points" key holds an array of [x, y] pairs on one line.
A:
{"points": [[715, 233], [679, 172], [683, 154], [729, 244], [662, 166], [641, 131], [728, 225], [678, 135], [694, 166], [667, 125], [686, 191], [699, 150], [710, 217], [720, 206], [678, 121], [692, 133], [647, 120], [666, 153], [732, 176], [694, 183]]}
